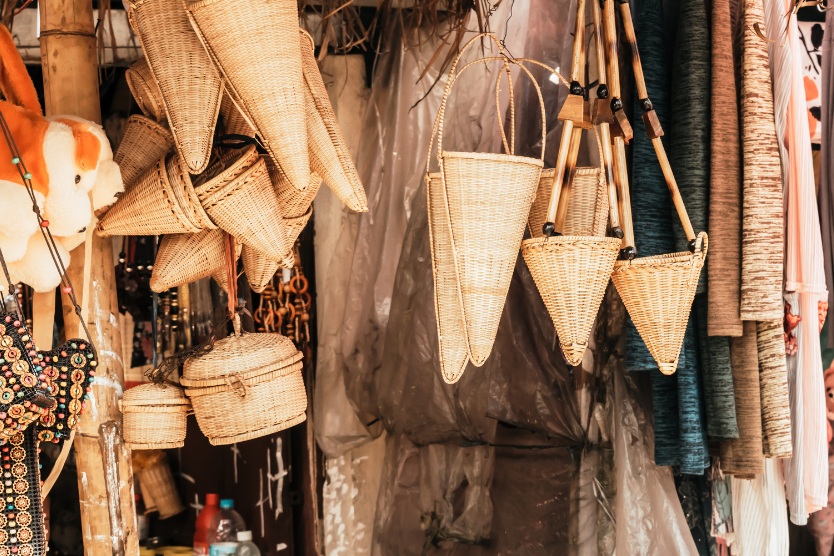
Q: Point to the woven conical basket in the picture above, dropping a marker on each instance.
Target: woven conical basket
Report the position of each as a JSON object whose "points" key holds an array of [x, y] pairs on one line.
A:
{"points": [[329, 155], [180, 181], [145, 90], [222, 172], [143, 143], [190, 84], [259, 269], [255, 45], [248, 208], [586, 195], [571, 274], [293, 202], [234, 123], [149, 207], [658, 293], [454, 354], [185, 258]]}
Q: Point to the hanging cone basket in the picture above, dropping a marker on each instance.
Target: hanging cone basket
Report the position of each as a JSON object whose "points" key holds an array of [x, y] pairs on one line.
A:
{"points": [[149, 207], [248, 208], [145, 90], [143, 143], [256, 47], [658, 293], [221, 173], [329, 155], [190, 85], [293, 202], [259, 269], [454, 353], [185, 258], [234, 123], [582, 214], [488, 199], [180, 181]]}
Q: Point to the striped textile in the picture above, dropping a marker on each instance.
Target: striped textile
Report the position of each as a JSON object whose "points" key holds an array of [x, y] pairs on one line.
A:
{"points": [[718, 377], [759, 517], [773, 382]]}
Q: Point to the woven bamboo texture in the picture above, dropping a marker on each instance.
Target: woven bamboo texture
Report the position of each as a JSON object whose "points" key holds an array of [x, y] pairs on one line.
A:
{"points": [[582, 214], [773, 381], [762, 216], [160, 484], [233, 121], [571, 274], [724, 268], [143, 143], [154, 417], [744, 456], [145, 91], [149, 207], [256, 46], [246, 353], [259, 269], [190, 85], [185, 258], [329, 155], [293, 202], [248, 208], [180, 181], [223, 172], [454, 354], [658, 292]]}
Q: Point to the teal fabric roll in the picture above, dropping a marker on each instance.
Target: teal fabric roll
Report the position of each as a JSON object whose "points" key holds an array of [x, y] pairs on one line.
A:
{"points": [[719, 399]]}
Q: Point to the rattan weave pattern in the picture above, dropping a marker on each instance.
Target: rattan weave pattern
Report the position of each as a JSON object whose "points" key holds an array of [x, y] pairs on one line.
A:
{"points": [[143, 143]]}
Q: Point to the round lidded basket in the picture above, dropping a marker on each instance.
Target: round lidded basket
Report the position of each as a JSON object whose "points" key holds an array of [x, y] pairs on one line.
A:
{"points": [[247, 386], [154, 417]]}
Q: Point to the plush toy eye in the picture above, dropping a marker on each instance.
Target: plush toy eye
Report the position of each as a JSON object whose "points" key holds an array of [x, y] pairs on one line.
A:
{"points": [[77, 178]]}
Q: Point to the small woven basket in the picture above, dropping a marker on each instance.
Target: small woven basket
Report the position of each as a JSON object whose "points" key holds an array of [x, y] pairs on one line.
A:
{"points": [[150, 207], [185, 258], [582, 214], [189, 83], [255, 44], [154, 417], [143, 143], [248, 386], [248, 208], [293, 202], [488, 199], [329, 155], [234, 123], [180, 181], [145, 90], [159, 482], [658, 293], [259, 269]]}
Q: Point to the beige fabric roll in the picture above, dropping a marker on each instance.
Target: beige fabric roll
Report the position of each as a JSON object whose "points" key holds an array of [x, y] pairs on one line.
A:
{"points": [[773, 380]]}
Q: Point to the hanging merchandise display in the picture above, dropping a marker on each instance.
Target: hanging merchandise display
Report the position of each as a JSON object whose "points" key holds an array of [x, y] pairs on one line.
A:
{"points": [[154, 416], [145, 91], [189, 84], [491, 192], [572, 270], [285, 305], [185, 258], [256, 48], [658, 291], [143, 143]]}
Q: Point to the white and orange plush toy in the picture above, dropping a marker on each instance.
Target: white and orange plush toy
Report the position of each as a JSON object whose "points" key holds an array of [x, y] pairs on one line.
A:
{"points": [[73, 175]]}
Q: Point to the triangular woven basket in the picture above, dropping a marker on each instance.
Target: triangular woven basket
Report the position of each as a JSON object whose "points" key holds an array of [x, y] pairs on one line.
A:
{"points": [[586, 195], [181, 183], [145, 91], [185, 258], [255, 44], [329, 155], [658, 293], [293, 202], [487, 199], [191, 86], [149, 207], [259, 269], [234, 123], [143, 143]]}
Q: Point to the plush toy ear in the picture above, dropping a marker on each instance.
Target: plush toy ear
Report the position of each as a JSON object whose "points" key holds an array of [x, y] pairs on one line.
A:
{"points": [[87, 145], [15, 82]]}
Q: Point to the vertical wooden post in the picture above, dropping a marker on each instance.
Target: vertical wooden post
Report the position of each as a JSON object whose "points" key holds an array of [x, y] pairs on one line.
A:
{"points": [[105, 478]]}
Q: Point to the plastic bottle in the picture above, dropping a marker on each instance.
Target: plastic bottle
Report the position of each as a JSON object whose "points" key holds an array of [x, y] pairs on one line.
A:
{"points": [[201, 544], [225, 525], [245, 546]]}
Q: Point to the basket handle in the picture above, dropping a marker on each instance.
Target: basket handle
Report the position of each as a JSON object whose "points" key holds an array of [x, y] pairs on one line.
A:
{"points": [[450, 80], [241, 389]]}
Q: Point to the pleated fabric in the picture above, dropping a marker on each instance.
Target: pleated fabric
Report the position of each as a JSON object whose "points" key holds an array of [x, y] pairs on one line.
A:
{"points": [[773, 382], [651, 205], [743, 456], [821, 523], [689, 132], [759, 517], [826, 185], [719, 400], [762, 223], [724, 262]]}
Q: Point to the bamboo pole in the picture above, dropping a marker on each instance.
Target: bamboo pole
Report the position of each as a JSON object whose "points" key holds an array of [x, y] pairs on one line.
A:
{"points": [[105, 477]]}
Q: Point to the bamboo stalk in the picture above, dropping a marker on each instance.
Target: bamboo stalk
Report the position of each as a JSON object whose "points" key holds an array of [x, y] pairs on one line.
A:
{"points": [[105, 480], [621, 173], [578, 43], [558, 177], [570, 171]]}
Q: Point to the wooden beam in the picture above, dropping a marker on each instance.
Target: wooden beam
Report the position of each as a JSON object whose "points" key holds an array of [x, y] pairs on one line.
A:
{"points": [[105, 477]]}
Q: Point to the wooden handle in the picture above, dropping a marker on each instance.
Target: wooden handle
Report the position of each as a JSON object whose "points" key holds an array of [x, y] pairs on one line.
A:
{"points": [[567, 185], [613, 204], [556, 187], [673, 188], [599, 43], [578, 43], [621, 172], [628, 26], [611, 60]]}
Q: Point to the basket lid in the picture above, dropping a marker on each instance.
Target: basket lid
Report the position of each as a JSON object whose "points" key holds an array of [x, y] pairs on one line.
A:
{"points": [[155, 394], [248, 353]]}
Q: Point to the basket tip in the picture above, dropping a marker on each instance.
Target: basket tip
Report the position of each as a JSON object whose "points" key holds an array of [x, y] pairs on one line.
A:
{"points": [[668, 368], [574, 353]]}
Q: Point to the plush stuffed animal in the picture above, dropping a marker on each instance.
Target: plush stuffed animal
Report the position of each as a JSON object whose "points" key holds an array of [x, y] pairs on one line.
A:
{"points": [[72, 169]]}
